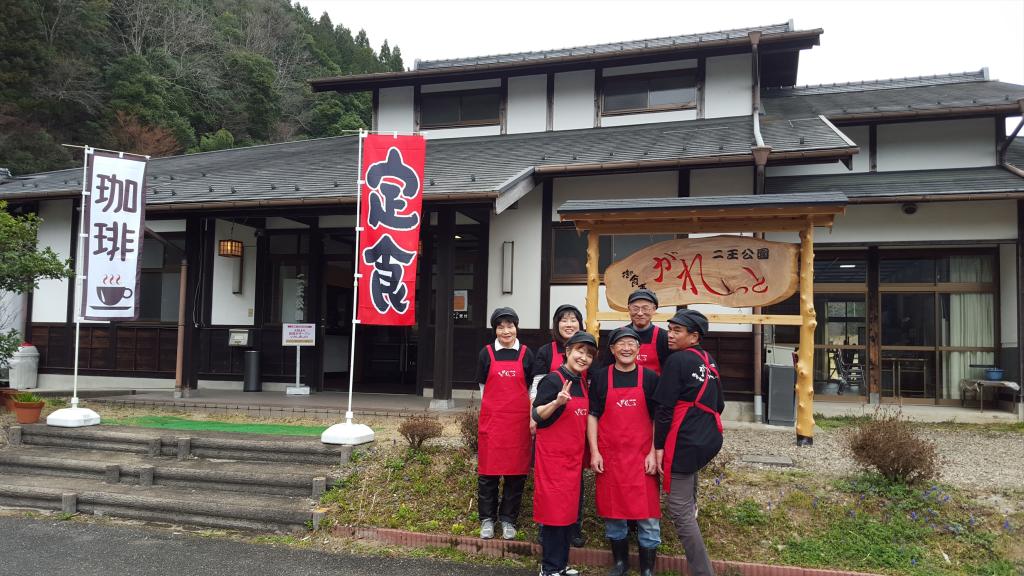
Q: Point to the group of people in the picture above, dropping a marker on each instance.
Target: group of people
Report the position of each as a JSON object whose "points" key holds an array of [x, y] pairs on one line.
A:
{"points": [[647, 418]]}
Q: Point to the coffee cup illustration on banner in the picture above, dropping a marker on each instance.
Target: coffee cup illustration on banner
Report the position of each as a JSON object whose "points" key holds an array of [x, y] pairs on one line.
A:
{"points": [[112, 295]]}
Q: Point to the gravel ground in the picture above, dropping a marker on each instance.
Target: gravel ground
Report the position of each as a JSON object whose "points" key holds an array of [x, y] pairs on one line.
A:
{"points": [[973, 459]]}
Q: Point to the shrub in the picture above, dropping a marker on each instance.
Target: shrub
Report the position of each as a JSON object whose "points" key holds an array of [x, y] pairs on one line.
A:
{"points": [[469, 422], [893, 447], [418, 429]]}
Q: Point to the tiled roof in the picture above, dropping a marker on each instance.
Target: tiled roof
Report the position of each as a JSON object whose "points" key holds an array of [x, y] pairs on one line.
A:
{"points": [[324, 169], [907, 96], [613, 47], [1015, 152], [697, 203], [917, 183]]}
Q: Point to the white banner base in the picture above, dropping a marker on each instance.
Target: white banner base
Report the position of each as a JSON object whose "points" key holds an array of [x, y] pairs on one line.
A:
{"points": [[73, 418], [347, 434], [297, 391]]}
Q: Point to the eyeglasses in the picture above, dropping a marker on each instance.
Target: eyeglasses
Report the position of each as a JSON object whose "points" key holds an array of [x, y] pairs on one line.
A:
{"points": [[642, 309], [626, 343]]}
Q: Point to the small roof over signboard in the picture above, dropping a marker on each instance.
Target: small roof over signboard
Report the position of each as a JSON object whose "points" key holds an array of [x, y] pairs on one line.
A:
{"points": [[761, 213]]}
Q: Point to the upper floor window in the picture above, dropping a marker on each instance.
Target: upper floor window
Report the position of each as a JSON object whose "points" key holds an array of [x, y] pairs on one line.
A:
{"points": [[653, 92], [463, 108]]}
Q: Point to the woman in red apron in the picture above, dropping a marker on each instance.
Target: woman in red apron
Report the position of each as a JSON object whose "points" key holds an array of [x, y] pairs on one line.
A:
{"points": [[688, 428], [503, 434], [560, 410], [620, 432], [642, 305]]}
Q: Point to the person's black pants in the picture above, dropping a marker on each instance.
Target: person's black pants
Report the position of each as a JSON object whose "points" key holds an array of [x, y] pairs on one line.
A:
{"points": [[511, 497], [554, 543]]}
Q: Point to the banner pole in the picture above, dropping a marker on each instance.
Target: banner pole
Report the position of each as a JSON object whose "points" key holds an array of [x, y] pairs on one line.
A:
{"points": [[82, 234]]}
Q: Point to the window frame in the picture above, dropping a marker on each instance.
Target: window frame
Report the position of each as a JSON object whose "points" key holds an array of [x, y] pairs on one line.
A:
{"points": [[607, 251], [694, 73], [171, 265], [497, 91]]}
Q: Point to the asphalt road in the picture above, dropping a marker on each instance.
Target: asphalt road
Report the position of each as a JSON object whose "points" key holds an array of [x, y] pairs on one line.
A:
{"points": [[34, 547]]}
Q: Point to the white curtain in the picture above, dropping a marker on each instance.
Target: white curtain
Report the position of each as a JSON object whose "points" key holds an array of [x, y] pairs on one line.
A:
{"points": [[971, 323]]}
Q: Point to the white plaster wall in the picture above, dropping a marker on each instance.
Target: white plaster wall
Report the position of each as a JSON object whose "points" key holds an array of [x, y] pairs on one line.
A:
{"points": [[163, 226], [441, 133], [651, 67], [395, 109], [644, 185], [574, 100], [1008, 313], [527, 107], [942, 222], [12, 312], [861, 160], [727, 86], [940, 144], [50, 299], [522, 226], [226, 307], [467, 85], [648, 118], [734, 181]]}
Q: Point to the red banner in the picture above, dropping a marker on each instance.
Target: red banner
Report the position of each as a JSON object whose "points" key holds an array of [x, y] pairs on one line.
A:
{"points": [[392, 200]]}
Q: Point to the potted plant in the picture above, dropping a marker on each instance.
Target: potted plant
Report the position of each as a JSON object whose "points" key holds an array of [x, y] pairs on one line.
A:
{"points": [[28, 407]]}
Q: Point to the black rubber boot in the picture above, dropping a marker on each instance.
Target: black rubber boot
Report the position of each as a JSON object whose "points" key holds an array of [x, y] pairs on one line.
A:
{"points": [[647, 558], [620, 555]]}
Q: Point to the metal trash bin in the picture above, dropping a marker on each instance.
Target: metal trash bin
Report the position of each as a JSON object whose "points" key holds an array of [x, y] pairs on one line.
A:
{"points": [[24, 367], [781, 394], [251, 381]]}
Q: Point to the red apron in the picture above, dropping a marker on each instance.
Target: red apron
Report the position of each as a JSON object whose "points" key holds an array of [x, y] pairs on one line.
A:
{"points": [[559, 464], [647, 356], [504, 431], [624, 435], [679, 414]]}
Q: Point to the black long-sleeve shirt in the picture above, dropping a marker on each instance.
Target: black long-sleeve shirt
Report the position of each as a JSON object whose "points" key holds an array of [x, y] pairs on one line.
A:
{"points": [[699, 440], [599, 388], [548, 389]]}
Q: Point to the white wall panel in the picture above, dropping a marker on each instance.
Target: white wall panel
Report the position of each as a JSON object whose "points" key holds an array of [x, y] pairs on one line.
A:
{"points": [[527, 108], [648, 118], [734, 181], [936, 221], [522, 226], [1008, 313], [941, 144], [395, 109], [226, 307], [50, 299], [574, 100], [441, 133], [861, 160], [727, 86]]}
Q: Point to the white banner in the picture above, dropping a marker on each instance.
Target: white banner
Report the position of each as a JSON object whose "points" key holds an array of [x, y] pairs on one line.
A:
{"points": [[114, 225]]}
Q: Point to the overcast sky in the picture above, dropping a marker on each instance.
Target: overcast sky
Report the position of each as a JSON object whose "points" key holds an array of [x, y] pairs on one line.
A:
{"points": [[862, 40]]}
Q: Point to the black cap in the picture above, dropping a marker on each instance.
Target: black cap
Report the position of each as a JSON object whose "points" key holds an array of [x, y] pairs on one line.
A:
{"points": [[620, 333], [581, 337], [504, 312], [692, 320], [643, 294], [567, 308]]}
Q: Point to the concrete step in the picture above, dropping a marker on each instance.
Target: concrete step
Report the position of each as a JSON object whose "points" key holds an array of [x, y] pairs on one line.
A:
{"points": [[157, 503], [199, 444], [288, 479]]}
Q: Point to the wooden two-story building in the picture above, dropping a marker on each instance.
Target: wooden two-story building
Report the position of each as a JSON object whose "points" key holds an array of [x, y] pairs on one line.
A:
{"points": [[920, 279]]}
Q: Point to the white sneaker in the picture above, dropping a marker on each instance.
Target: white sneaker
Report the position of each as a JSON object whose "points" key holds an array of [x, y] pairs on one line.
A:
{"points": [[569, 572], [487, 528], [508, 531]]}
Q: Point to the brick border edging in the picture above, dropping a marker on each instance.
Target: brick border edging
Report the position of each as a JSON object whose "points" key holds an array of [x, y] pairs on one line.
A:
{"points": [[585, 556]]}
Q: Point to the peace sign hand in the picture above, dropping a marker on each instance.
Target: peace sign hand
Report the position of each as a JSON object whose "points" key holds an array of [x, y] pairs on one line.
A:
{"points": [[564, 396]]}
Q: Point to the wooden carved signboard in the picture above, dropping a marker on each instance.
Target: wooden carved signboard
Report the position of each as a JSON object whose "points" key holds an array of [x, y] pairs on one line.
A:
{"points": [[735, 271]]}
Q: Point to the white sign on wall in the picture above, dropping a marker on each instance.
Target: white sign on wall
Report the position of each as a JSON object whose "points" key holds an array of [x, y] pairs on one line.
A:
{"points": [[113, 227], [298, 334]]}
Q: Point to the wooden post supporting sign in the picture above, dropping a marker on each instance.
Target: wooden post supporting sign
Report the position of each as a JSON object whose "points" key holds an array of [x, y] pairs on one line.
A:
{"points": [[805, 363]]}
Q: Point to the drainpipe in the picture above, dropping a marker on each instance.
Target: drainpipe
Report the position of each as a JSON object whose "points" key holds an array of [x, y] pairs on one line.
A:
{"points": [[1001, 152], [760, 152]]}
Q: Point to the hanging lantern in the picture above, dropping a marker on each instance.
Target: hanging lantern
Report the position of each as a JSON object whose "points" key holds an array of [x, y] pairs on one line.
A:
{"points": [[230, 248]]}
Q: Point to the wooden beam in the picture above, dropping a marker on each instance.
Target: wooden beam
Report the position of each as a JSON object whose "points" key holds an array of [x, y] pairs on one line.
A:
{"points": [[805, 364], [776, 319], [593, 283], [696, 226], [732, 213]]}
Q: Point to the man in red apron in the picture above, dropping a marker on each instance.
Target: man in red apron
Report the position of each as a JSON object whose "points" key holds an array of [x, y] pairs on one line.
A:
{"points": [[642, 305], [560, 411], [620, 432], [503, 434], [688, 428]]}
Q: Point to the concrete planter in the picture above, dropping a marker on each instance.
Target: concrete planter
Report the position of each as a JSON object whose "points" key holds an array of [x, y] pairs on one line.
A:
{"points": [[28, 412]]}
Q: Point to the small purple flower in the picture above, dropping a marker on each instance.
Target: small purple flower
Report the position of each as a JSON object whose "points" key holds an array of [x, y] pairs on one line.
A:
{"points": [[913, 515], [1007, 526], [853, 513], [814, 502], [946, 498], [718, 481], [972, 520], [913, 561]]}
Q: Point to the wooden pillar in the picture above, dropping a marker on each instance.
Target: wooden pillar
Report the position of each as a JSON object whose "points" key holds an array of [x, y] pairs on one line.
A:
{"points": [[805, 364], [874, 305], [443, 325], [312, 357], [179, 361], [593, 282], [197, 245], [1020, 303]]}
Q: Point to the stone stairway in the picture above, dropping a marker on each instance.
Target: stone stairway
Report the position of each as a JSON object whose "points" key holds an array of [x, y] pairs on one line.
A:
{"points": [[223, 480]]}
